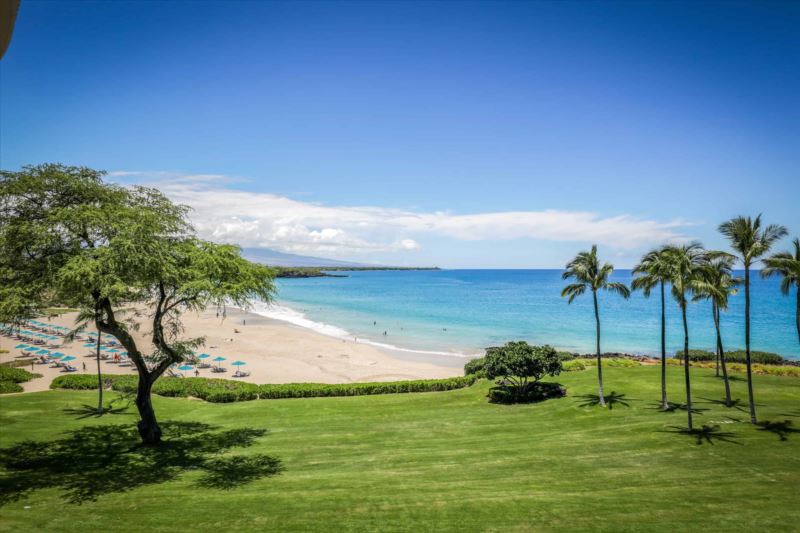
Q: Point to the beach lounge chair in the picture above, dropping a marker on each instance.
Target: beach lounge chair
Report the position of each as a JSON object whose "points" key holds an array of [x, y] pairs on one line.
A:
{"points": [[219, 369], [69, 368], [241, 374], [203, 365]]}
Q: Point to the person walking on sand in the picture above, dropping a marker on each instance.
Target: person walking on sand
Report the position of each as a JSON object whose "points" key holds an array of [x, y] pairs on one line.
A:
{"points": [[84, 366]]}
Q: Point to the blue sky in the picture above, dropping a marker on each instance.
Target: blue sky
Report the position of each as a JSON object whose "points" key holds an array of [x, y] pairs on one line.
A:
{"points": [[458, 134]]}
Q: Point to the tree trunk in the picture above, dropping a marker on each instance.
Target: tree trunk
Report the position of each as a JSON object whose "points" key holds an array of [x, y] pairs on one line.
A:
{"points": [[664, 402], [99, 379], [721, 351], [686, 366], [599, 359], [149, 430], [797, 312], [751, 399]]}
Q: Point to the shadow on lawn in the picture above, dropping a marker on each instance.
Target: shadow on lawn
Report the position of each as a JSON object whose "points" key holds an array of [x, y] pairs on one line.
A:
{"points": [[96, 460], [737, 404], [673, 406], [709, 434], [782, 428], [612, 399]]}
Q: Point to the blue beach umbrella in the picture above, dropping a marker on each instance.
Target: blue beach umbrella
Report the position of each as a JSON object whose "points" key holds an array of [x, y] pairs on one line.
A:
{"points": [[89, 345], [67, 358], [21, 346], [57, 354], [219, 359], [43, 351], [186, 367], [238, 363], [203, 356]]}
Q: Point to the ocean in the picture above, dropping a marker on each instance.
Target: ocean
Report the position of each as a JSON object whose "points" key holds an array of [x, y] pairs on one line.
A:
{"points": [[460, 312]]}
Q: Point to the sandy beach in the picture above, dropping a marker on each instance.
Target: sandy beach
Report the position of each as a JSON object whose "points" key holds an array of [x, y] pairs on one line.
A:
{"points": [[274, 352]]}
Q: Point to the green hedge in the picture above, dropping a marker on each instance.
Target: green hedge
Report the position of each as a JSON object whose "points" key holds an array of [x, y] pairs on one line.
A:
{"points": [[225, 390], [734, 356], [475, 367], [16, 375], [9, 386]]}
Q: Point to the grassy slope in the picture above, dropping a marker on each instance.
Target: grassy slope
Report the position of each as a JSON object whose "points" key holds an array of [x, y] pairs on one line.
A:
{"points": [[447, 461]]}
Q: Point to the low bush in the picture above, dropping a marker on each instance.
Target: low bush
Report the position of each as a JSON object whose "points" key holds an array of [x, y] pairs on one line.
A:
{"points": [[476, 367], [534, 392], [614, 362], [734, 356], [767, 370], [16, 375], [9, 386], [81, 381], [573, 366], [225, 390]]}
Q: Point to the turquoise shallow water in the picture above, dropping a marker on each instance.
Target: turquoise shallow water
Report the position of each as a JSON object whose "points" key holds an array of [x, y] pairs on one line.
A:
{"points": [[463, 311]]}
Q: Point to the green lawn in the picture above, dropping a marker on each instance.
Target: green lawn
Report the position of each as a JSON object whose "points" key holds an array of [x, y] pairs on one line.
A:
{"points": [[423, 462]]}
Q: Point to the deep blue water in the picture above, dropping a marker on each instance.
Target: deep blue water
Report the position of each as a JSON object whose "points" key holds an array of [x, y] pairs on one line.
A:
{"points": [[466, 310]]}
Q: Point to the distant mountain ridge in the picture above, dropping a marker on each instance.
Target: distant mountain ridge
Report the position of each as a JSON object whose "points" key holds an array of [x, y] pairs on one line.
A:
{"points": [[275, 258]]}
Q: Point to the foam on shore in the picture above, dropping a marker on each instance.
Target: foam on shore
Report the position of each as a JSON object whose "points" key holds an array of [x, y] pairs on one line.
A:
{"points": [[292, 316]]}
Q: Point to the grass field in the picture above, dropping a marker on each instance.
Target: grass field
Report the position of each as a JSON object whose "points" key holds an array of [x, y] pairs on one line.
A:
{"points": [[424, 462]]}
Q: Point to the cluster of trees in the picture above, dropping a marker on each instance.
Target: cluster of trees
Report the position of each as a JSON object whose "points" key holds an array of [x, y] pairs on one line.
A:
{"points": [[693, 273], [122, 256]]}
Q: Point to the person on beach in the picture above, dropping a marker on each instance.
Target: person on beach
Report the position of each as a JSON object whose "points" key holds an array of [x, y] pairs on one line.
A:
{"points": [[196, 373], [84, 366]]}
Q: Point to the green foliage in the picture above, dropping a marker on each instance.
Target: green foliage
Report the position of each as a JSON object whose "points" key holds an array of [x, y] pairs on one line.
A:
{"points": [[573, 365], [518, 361], [17, 375], [735, 356], [7, 387], [225, 390], [476, 367]]}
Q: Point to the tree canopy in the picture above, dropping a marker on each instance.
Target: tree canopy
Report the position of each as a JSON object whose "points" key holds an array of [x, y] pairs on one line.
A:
{"points": [[121, 255]]}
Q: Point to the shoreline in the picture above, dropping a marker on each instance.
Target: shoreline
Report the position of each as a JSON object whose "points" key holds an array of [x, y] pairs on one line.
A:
{"points": [[273, 352]]}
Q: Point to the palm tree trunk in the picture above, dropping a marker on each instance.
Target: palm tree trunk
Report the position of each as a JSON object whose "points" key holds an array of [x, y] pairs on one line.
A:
{"points": [[721, 351], [797, 312], [664, 402], [99, 379], [599, 359], [686, 366], [752, 401]]}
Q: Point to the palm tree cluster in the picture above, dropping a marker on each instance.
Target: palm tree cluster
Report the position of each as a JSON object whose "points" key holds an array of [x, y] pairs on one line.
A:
{"points": [[693, 273]]}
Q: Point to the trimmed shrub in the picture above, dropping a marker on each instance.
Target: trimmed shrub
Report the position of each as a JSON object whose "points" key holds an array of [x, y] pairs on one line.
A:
{"points": [[734, 356], [9, 386], [226, 390], [81, 381], [573, 366], [614, 362], [16, 375]]}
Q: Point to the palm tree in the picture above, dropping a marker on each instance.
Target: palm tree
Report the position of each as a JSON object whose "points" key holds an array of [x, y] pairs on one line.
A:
{"points": [[585, 269], [655, 270], [788, 267], [751, 241], [687, 261], [717, 283]]}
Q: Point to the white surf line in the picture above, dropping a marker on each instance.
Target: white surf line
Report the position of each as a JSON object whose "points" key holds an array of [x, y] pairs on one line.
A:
{"points": [[292, 316]]}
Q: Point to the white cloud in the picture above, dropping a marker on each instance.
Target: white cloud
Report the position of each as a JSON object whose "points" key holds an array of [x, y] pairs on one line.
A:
{"points": [[253, 219]]}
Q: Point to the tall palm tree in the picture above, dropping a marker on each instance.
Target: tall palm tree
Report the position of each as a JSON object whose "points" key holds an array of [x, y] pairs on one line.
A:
{"points": [[751, 241], [788, 267], [655, 270], [687, 261], [716, 284], [587, 272]]}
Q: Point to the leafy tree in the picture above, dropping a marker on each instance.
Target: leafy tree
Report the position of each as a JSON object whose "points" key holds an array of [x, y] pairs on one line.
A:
{"points": [[716, 284], [687, 263], [751, 241], [518, 362], [655, 270], [587, 272], [67, 236], [787, 266]]}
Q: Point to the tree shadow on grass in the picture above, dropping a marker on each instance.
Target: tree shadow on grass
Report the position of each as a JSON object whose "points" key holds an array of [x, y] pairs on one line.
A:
{"points": [[673, 407], [96, 460], [782, 428], [709, 434], [611, 399], [737, 404]]}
